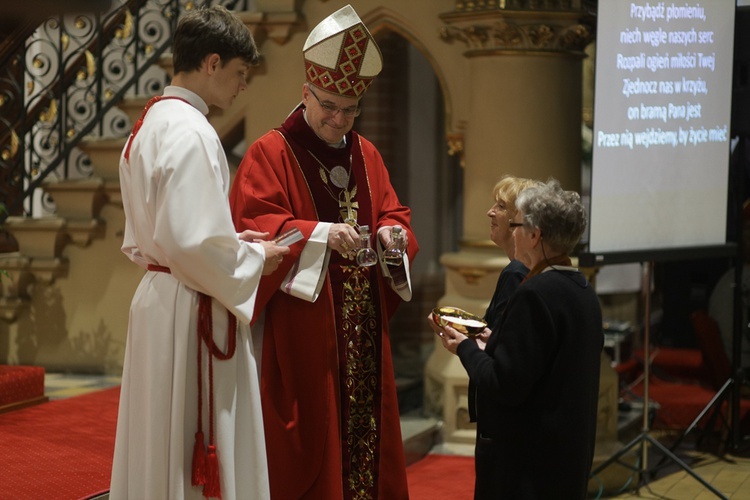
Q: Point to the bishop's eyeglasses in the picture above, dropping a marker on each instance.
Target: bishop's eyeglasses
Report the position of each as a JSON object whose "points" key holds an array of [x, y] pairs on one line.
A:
{"points": [[332, 109], [514, 225]]}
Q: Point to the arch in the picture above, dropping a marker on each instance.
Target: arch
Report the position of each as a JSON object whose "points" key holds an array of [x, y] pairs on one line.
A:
{"points": [[382, 19]]}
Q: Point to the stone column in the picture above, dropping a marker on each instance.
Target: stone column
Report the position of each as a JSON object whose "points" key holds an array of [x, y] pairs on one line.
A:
{"points": [[524, 79]]}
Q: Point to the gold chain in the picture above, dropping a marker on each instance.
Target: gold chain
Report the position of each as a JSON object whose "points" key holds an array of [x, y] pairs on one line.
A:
{"points": [[323, 170], [347, 206]]}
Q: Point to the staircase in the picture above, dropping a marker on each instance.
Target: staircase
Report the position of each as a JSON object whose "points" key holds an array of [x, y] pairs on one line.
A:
{"points": [[71, 86]]}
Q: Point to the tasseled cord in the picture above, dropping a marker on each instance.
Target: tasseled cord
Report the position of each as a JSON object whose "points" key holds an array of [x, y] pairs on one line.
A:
{"points": [[205, 470], [199, 448]]}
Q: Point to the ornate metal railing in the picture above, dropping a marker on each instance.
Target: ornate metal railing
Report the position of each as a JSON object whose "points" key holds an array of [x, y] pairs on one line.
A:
{"points": [[62, 84]]}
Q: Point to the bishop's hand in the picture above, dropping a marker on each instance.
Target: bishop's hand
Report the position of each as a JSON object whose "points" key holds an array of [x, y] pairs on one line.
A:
{"points": [[343, 238], [385, 235]]}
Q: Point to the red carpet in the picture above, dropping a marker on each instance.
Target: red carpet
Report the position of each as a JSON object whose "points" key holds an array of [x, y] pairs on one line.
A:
{"points": [[679, 383], [441, 477], [20, 386], [61, 450]]}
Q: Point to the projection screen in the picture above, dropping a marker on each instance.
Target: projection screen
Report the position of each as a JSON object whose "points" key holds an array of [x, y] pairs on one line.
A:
{"points": [[661, 137]]}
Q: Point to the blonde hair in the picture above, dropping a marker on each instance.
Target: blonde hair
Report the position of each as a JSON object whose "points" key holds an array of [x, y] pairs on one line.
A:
{"points": [[508, 188]]}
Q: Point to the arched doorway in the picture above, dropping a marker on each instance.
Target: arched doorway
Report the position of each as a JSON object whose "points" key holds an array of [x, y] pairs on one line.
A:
{"points": [[403, 115]]}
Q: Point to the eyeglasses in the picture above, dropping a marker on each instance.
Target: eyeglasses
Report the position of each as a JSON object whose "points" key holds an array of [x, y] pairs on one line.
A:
{"points": [[332, 109], [514, 225]]}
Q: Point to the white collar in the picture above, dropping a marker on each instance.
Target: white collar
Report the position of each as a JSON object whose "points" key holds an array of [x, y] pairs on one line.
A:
{"points": [[194, 99]]}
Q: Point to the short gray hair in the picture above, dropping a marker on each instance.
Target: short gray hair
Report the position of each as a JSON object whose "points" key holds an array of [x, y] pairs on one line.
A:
{"points": [[557, 213]]}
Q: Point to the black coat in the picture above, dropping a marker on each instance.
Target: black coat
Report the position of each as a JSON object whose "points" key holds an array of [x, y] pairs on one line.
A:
{"points": [[511, 276], [537, 390]]}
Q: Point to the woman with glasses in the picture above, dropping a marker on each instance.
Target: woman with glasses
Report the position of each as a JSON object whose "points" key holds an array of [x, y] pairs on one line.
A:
{"points": [[537, 380]]}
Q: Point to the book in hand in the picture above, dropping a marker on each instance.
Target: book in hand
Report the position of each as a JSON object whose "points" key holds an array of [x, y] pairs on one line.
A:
{"points": [[289, 237]]}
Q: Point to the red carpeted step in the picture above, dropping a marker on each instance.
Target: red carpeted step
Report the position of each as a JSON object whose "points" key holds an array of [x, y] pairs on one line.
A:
{"points": [[61, 450], [441, 477], [20, 386]]}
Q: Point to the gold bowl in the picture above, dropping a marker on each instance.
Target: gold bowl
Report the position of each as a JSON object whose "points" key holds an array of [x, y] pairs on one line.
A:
{"points": [[463, 321]]}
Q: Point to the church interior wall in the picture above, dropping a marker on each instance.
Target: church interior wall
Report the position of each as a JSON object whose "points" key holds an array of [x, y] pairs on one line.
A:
{"points": [[79, 323]]}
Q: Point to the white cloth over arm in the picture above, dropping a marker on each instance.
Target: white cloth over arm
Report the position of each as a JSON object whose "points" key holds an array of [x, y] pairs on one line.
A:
{"points": [[305, 279]]}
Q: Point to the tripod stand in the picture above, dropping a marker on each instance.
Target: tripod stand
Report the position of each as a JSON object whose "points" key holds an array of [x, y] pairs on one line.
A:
{"points": [[644, 438], [730, 390], [707, 331]]}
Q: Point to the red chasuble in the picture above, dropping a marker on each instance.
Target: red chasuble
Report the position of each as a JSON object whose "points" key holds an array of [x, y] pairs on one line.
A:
{"points": [[327, 384]]}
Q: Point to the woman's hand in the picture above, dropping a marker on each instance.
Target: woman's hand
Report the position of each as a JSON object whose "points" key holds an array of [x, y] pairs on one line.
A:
{"points": [[483, 338], [448, 335]]}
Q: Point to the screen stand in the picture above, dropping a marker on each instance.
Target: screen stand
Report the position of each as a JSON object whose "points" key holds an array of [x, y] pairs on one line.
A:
{"points": [[644, 438]]}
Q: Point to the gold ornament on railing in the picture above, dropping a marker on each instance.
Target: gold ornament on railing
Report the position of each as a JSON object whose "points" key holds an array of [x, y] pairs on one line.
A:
{"points": [[90, 64], [127, 26], [13, 143], [11, 151], [48, 115], [64, 76]]}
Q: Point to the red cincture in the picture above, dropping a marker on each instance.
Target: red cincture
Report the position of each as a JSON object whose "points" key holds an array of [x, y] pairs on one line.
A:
{"points": [[205, 469]]}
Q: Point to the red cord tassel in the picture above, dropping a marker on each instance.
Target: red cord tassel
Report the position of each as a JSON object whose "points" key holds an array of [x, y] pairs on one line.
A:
{"points": [[212, 489], [199, 461]]}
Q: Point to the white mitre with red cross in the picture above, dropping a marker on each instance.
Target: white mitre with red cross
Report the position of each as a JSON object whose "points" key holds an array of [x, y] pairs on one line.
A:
{"points": [[341, 56]]}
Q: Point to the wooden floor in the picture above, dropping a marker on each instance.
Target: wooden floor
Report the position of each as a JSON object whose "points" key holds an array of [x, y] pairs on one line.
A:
{"points": [[67, 385], [727, 472]]}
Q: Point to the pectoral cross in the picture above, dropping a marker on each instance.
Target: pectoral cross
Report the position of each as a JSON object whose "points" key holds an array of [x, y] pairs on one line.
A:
{"points": [[347, 206]]}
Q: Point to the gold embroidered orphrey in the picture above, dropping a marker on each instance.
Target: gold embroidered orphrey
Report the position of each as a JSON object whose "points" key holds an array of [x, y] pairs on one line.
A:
{"points": [[360, 381]]}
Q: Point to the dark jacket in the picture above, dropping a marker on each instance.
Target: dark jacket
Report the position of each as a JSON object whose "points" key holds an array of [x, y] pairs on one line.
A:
{"points": [[510, 277], [537, 390]]}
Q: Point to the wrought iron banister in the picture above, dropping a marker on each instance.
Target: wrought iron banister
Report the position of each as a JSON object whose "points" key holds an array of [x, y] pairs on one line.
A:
{"points": [[72, 68], [63, 84]]}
